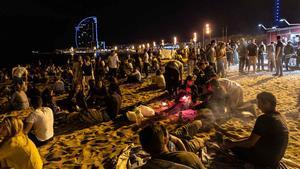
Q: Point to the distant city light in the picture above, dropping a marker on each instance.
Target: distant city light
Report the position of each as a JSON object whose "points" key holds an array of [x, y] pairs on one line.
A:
{"points": [[154, 44], [132, 47], [116, 48], [148, 45]]}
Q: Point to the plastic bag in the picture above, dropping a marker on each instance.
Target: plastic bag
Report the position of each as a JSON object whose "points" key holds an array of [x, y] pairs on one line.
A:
{"points": [[146, 111]]}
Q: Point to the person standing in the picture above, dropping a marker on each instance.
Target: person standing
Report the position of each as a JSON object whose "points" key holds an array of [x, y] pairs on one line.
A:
{"points": [[261, 53], [278, 56], [298, 56], [242, 54], [271, 56], [113, 64], [211, 54], [77, 71], [221, 57], [288, 52], [192, 60], [252, 55], [146, 63]]}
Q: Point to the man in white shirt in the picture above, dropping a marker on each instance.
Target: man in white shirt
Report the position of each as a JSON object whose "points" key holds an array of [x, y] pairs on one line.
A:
{"points": [[113, 64], [41, 122]]}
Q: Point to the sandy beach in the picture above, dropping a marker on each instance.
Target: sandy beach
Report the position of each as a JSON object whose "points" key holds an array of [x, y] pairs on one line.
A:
{"points": [[85, 146]]}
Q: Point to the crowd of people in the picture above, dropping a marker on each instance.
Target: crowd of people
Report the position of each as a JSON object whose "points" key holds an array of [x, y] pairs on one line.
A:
{"points": [[95, 83]]}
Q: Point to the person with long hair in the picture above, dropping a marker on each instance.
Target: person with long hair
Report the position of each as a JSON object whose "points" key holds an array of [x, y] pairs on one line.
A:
{"points": [[16, 149]]}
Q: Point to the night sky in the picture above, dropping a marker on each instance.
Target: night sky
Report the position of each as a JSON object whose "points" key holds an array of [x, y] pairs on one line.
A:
{"points": [[34, 25]]}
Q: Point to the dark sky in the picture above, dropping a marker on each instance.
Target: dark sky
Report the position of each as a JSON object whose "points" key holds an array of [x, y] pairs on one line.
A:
{"points": [[46, 25]]}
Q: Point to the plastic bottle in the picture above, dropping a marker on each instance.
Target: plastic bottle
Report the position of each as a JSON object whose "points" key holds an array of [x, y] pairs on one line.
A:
{"points": [[139, 116]]}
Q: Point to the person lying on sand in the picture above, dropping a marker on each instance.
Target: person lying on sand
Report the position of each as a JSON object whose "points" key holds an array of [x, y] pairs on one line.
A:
{"points": [[16, 149], [154, 142], [182, 139], [268, 141]]}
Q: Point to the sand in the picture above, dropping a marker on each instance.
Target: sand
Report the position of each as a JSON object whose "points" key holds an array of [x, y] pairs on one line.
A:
{"points": [[82, 146]]}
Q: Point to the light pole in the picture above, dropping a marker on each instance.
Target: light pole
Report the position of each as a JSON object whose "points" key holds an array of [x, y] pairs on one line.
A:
{"points": [[175, 40], [206, 30], [293, 24], [163, 42]]}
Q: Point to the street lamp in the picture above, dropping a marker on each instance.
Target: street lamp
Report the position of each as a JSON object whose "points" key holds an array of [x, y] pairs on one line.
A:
{"points": [[207, 31], [162, 42], [175, 40], [284, 20], [154, 44], [195, 37]]}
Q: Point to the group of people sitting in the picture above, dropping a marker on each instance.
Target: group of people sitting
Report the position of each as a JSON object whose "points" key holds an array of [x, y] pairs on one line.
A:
{"points": [[91, 90], [264, 148]]}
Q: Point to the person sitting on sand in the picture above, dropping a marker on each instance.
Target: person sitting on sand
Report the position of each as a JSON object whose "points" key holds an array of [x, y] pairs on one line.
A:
{"points": [[204, 74], [16, 149], [214, 98], [154, 142], [33, 90], [97, 93], [40, 122], [113, 102], [59, 86], [19, 100], [77, 99], [135, 76], [269, 139], [48, 101], [158, 80], [20, 73]]}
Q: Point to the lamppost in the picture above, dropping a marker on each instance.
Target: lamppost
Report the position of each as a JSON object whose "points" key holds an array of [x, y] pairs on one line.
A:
{"points": [[175, 40], [206, 30], [290, 24], [195, 37]]}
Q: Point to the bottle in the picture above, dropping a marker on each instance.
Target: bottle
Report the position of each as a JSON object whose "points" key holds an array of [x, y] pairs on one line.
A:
{"points": [[139, 117]]}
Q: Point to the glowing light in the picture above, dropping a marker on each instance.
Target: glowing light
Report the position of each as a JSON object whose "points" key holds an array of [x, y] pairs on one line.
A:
{"points": [[140, 46], [207, 29], [164, 104], [148, 45], [175, 40], [162, 42], [116, 47], [95, 48], [143, 45], [154, 44], [132, 47], [195, 37]]}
